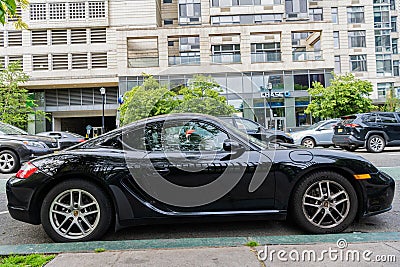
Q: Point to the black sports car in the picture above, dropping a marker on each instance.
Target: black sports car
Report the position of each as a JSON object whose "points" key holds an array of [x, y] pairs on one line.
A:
{"points": [[186, 167], [65, 139]]}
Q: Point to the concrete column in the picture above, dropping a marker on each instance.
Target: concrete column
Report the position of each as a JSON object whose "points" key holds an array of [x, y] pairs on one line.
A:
{"points": [[205, 48], [245, 48], [56, 124], [286, 46], [163, 51]]}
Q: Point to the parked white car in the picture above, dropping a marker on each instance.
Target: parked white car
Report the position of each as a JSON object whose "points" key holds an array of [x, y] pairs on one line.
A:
{"points": [[318, 134]]}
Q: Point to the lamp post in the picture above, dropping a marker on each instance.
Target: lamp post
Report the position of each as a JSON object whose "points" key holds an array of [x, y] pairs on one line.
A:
{"points": [[103, 94], [271, 113]]}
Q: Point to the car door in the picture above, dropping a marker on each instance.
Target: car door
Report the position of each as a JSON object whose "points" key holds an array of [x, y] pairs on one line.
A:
{"points": [[390, 125], [324, 133], [192, 172]]}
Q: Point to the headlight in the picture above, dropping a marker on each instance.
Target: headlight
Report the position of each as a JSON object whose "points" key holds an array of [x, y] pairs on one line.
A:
{"points": [[35, 144]]}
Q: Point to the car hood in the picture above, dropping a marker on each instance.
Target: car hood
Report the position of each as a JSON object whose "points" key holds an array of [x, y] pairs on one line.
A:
{"points": [[43, 139]]}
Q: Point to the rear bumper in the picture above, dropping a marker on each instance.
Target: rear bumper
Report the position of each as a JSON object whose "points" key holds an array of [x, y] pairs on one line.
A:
{"points": [[346, 140]]}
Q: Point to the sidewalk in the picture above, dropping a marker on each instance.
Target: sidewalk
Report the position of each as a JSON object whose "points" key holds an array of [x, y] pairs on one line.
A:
{"points": [[325, 254]]}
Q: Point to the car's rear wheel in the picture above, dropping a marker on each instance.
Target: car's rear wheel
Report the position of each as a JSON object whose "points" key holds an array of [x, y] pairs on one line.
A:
{"points": [[308, 142], [76, 210], [9, 161], [376, 144], [324, 202]]}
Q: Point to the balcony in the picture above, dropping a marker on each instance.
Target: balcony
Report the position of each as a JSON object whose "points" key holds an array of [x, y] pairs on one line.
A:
{"points": [[143, 62], [307, 55], [184, 60], [226, 58], [260, 57]]}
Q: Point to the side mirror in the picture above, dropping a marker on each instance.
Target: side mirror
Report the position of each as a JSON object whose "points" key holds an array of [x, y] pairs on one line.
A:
{"points": [[232, 146]]}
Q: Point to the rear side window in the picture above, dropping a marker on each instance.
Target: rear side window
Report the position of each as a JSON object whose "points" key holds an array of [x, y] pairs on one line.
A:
{"points": [[387, 118], [370, 118], [247, 125], [348, 119]]}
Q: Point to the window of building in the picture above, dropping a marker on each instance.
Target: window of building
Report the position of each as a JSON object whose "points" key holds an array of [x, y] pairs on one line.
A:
{"points": [[396, 68], [57, 11], [99, 60], [167, 1], [358, 63], [98, 35], [189, 11], [316, 14], [229, 3], [18, 14], [77, 10], [97, 10], [79, 61], [335, 17], [395, 49], [37, 11], [40, 62], [357, 39], [336, 41], [383, 88], [58, 37], [168, 21], [226, 53], [2, 62], [2, 39], [78, 36], [394, 24], [246, 19], [381, 17], [337, 64], [393, 4], [39, 37], [14, 38], [60, 61], [266, 52], [384, 65], [382, 41], [355, 14], [16, 58], [296, 8]]}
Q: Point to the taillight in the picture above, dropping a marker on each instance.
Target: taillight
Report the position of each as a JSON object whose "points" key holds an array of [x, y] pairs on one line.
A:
{"points": [[26, 171], [81, 140], [352, 125]]}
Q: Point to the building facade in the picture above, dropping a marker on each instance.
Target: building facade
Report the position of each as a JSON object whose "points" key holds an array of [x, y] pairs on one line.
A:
{"points": [[74, 47]]}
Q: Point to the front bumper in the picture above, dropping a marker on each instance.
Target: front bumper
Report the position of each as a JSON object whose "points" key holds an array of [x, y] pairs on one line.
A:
{"points": [[379, 191], [346, 140]]}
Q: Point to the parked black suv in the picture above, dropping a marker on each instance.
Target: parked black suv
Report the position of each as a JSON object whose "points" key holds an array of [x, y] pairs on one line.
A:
{"points": [[17, 147], [374, 130], [258, 131]]}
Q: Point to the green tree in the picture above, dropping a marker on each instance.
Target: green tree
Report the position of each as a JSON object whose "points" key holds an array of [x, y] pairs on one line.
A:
{"points": [[15, 103], [346, 95], [8, 9], [149, 99], [202, 96], [392, 102]]}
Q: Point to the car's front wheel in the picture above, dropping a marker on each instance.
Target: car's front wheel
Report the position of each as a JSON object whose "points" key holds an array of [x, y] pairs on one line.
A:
{"points": [[76, 210], [376, 144], [324, 202], [308, 142], [9, 161]]}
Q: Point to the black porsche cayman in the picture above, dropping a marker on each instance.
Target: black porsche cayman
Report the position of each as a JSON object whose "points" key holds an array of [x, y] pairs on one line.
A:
{"points": [[191, 167]]}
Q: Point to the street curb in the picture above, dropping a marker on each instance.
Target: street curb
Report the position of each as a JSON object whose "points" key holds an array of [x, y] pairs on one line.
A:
{"points": [[49, 248]]}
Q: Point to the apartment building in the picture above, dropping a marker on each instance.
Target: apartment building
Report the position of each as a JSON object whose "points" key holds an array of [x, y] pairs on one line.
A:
{"points": [[74, 47]]}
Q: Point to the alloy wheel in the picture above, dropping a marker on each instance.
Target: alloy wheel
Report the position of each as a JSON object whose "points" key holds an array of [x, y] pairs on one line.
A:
{"points": [[376, 144], [309, 143], [7, 162], [326, 204], [74, 214]]}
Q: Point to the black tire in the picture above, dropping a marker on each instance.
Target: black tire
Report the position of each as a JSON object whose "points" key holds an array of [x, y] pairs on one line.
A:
{"points": [[308, 142], [90, 192], [350, 148], [300, 212], [9, 161], [326, 146], [376, 144], [277, 140]]}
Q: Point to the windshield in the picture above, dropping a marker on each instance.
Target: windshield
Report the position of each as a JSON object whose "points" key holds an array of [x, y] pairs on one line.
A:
{"points": [[316, 125], [7, 129]]}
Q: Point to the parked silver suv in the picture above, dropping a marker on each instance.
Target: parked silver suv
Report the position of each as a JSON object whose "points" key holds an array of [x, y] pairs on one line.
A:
{"points": [[318, 134]]}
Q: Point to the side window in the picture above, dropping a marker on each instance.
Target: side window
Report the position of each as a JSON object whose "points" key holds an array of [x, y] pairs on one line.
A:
{"points": [[247, 125], [372, 118], [328, 126], [387, 118], [133, 139], [192, 136]]}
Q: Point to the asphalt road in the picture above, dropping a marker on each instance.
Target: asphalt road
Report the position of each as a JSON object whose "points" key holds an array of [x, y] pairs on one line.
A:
{"points": [[13, 232]]}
